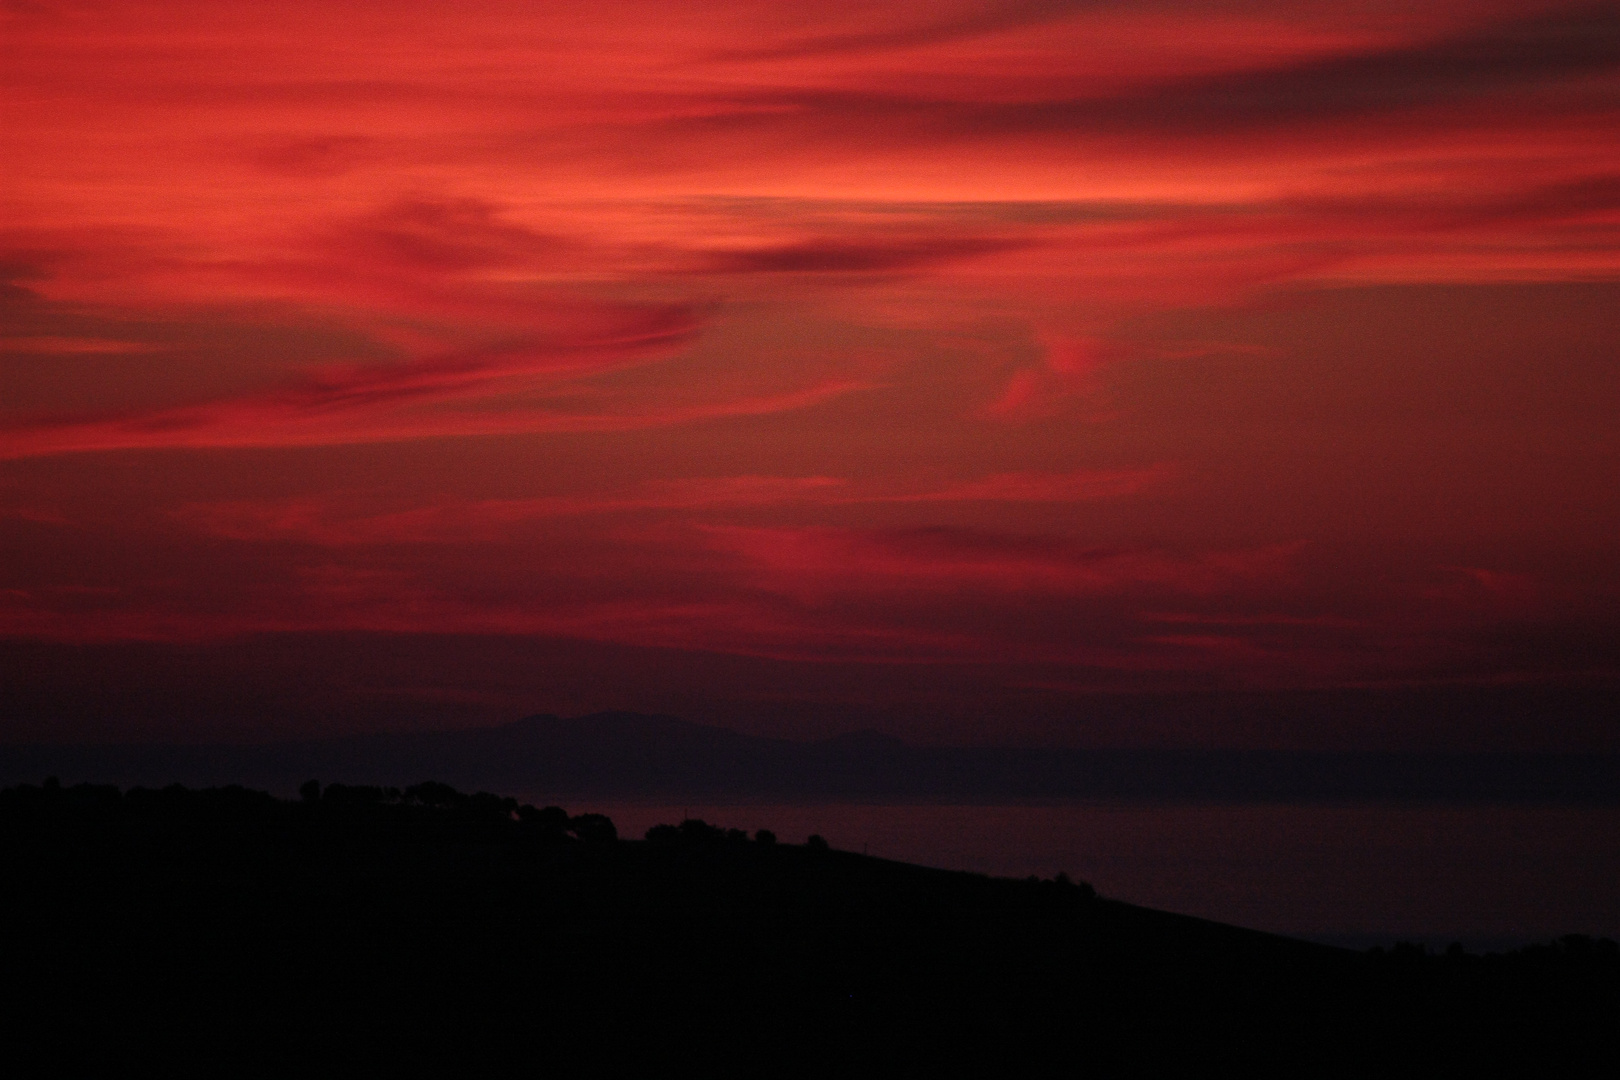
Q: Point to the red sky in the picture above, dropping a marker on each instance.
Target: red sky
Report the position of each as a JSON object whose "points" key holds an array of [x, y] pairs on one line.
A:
{"points": [[817, 360]]}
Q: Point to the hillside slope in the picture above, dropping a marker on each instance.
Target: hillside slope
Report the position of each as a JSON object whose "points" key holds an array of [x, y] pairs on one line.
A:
{"points": [[364, 929]]}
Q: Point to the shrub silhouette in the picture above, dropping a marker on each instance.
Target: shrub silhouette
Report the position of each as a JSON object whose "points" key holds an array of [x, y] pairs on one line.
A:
{"points": [[593, 828], [431, 793], [347, 797], [487, 807], [1082, 887], [551, 819], [695, 833], [696, 829]]}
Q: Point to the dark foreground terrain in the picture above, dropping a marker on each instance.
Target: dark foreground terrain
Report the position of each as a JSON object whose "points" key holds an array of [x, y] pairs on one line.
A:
{"points": [[363, 930]]}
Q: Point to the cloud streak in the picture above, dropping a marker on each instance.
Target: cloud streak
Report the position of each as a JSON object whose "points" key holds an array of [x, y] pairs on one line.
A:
{"points": [[332, 521], [819, 561], [356, 404], [1501, 64]]}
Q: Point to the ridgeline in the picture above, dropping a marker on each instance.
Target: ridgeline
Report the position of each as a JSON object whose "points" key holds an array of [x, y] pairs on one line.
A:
{"points": [[371, 929]]}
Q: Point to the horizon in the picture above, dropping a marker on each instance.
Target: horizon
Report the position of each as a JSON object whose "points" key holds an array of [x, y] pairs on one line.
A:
{"points": [[852, 736]]}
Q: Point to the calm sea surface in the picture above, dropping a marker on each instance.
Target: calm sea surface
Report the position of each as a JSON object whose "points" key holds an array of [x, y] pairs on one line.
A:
{"points": [[1489, 876]]}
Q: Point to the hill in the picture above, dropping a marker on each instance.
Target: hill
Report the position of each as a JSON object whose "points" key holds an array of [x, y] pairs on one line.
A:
{"points": [[365, 929]]}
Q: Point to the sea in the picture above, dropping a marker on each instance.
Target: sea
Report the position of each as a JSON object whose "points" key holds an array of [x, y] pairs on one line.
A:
{"points": [[1489, 877]]}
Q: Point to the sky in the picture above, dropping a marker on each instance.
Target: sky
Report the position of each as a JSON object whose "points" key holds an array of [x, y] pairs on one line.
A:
{"points": [[946, 367]]}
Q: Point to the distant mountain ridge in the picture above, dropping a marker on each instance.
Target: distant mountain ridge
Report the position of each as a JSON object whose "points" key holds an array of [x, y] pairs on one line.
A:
{"points": [[631, 756]]}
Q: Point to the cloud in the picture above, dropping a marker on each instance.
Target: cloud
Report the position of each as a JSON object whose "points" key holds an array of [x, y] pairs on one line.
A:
{"points": [[325, 598], [1511, 56], [857, 256], [1069, 368], [1502, 65], [441, 236], [337, 521], [315, 156], [34, 514], [332, 521], [53, 345], [1077, 486], [338, 599], [271, 422], [1473, 587], [821, 561], [977, 20], [1270, 619], [345, 404]]}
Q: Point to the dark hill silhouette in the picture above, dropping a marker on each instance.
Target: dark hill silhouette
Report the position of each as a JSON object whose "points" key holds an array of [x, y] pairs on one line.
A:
{"points": [[611, 755], [361, 929]]}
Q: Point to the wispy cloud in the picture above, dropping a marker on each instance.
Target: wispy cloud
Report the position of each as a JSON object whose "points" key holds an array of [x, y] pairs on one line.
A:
{"points": [[382, 402], [856, 256], [273, 422], [334, 521], [1501, 64], [53, 345], [820, 561]]}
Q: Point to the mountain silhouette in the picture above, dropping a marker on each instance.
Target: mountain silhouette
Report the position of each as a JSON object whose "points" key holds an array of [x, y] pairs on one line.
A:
{"points": [[619, 754]]}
